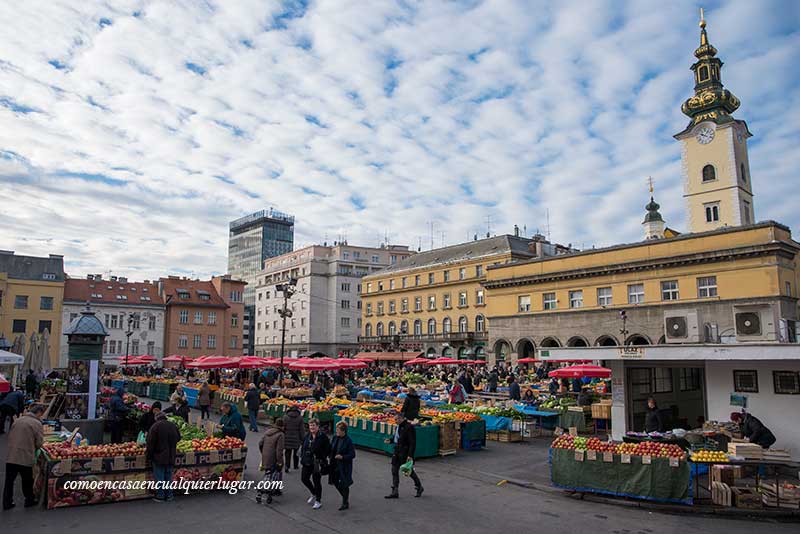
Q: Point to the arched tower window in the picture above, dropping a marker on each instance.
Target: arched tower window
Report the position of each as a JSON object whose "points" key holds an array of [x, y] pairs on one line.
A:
{"points": [[703, 73], [743, 175], [709, 173]]}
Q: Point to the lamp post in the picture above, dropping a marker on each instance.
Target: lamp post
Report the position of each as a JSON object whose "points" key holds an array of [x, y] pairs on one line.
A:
{"points": [[288, 290], [128, 333], [624, 330]]}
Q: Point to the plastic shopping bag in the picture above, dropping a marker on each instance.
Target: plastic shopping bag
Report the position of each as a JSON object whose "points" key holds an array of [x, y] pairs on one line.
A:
{"points": [[141, 439], [407, 467]]}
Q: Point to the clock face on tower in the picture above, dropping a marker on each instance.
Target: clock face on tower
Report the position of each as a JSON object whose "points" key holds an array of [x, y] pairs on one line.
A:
{"points": [[705, 135]]}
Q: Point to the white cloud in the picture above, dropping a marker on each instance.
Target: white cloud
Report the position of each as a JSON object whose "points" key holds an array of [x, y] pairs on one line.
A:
{"points": [[132, 132]]}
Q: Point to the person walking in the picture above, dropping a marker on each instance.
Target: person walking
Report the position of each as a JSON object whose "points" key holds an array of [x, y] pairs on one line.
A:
{"points": [[252, 400], [204, 400], [162, 441], [271, 446], [341, 463], [231, 421], [295, 431], [411, 404], [405, 443], [31, 384], [117, 412], [314, 462], [11, 407], [24, 438]]}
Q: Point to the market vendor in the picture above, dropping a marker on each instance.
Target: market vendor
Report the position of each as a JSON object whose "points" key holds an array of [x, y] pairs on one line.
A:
{"points": [[177, 394], [319, 392], [753, 429], [553, 386], [117, 412], [653, 421], [529, 397], [231, 421], [148, 418], [585, 397]]}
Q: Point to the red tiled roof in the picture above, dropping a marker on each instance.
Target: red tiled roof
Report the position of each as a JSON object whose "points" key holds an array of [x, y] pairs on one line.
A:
{"points": [[111, 292], [194, 289]]}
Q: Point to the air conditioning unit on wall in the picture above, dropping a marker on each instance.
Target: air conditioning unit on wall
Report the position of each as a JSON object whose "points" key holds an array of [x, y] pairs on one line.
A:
{"points": [[755, 323], [683, 326]]}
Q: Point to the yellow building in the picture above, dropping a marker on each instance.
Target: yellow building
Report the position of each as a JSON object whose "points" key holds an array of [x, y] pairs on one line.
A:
{"points": [[31, 296], [433, 301]]}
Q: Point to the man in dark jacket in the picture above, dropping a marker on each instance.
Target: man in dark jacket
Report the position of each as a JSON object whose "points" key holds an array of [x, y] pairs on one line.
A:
{"points": [[252, 400], [161, 451], [411, 405], [653, 422], [405, 443], [492, 382], [149, 418], [294, 434], [553, 386], [466, 383], [513, 389], [117, 411], [754, 430], [11, 407], [31, 383]]}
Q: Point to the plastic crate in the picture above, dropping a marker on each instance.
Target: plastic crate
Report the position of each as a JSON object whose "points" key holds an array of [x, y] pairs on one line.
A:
{"points": [[473, 444]]}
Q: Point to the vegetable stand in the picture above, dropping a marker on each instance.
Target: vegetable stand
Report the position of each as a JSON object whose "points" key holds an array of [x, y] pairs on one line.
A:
{"points": [[371, 435]]}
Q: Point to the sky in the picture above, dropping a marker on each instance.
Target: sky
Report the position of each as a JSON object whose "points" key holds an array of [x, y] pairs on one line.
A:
{"points": [[133, 131]]}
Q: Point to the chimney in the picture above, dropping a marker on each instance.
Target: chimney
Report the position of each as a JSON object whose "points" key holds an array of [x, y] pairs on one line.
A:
{"points": [[516, 230], [98, 277], [123, 280], [90, 277], [113, 278]]}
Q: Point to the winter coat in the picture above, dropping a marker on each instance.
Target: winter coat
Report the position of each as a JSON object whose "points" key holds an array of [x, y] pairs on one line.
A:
{"points": [[177, 394], [315, 449], [26, 435], [252, 399], [492, 381], [181, 410], [162, 441], [204, 396], [319, 394], [341, 474], [271, 446], [410, 408], [117, 407], [294, 428], [466, 382], [756, 432], [146, 421], [513, 391], [553, 387], [653, 421], [15, 400], [405, 441], [456, 394], [232, 424]]}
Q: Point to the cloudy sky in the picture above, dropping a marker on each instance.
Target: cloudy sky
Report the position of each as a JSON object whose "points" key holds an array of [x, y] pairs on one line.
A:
{"points": [[131, 132]]}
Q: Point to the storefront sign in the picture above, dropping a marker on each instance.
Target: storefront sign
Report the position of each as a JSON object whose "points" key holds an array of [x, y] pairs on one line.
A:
{"points": [[631, 352]]}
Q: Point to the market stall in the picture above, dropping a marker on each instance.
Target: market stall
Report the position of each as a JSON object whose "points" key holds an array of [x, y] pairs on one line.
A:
{"points": [[369, 426]]}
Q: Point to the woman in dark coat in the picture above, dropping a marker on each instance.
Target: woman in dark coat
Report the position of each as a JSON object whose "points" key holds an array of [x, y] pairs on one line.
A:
{"points": [[295, 433], [314, 459], [411, 405], [341, 460], [653, 422]]}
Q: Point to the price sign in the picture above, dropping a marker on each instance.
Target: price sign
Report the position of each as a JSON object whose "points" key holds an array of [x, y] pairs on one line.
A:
{"points": [[213, 457], [578, 456], [118, 464], [573, 431], [674, 462], [625, 458], [140, 462], [608, 456], [591, 455], [66, 466], [237, 453], [647, 459], [190, 458], [96, 464]]}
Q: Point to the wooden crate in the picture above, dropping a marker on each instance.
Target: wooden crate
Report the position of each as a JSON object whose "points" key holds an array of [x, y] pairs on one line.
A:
{"points": [[747, 498], [506, 436], [601, 411], [449, 436]]}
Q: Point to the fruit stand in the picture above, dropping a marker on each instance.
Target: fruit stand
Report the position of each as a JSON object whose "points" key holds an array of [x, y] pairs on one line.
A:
{"points": [[649, 471], [161, 389], [369, 426], [322, 411]]}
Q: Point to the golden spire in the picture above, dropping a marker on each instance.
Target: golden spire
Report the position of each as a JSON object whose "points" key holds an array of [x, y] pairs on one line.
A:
{"points": [[703, 36], [650, 183]]}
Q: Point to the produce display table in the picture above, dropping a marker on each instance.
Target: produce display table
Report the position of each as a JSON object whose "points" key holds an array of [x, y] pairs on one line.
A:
{"points": [[657, 481], [569, 419], [279, 410], [161, 390], [545, 419], [137, 388], [227, 464], [370, 435]]}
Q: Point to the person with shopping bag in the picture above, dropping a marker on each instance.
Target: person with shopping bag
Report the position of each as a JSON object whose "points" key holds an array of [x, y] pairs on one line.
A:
{"points": [[271, 446], [341, 463], [314, 461], [405, 442]]}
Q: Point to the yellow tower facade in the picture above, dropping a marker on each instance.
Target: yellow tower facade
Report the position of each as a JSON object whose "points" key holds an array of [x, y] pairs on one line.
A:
{"points": [[715, 166]]}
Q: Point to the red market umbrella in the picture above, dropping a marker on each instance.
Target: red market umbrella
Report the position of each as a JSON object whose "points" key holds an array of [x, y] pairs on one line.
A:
{"points": [[5, 386], [148, 357], [528, 360], [581, 371], [417, 361], [175, 358], [133, 362], [444, 361], [251, 362], [319, 364], [351, 364], [214, 362]]}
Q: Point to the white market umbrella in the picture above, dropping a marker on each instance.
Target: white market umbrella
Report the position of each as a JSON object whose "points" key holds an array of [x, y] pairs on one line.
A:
{"points": [[30, 356], [44, 352]]}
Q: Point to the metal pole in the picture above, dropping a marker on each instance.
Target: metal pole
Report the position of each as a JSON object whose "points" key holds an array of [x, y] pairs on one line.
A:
{"points": [[283, 334]]}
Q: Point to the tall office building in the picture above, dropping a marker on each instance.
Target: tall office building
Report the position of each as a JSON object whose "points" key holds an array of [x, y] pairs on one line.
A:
{"points": [[252, 239]]}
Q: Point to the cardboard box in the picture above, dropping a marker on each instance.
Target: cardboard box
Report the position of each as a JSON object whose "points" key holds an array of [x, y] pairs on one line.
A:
{"points": [[747, 498]]}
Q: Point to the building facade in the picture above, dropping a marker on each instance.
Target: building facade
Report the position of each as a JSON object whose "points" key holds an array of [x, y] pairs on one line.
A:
{"points": [[434, 301], [203, 317], [251, 240], [326, 307], [31, 295], [123, 306]]}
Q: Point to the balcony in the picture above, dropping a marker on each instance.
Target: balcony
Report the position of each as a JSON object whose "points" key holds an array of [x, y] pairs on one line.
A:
{"points": [[460, 337]]}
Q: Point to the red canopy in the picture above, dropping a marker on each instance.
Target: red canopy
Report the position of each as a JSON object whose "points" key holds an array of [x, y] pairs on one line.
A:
{"points": [[580, 371], [417, 361], [473, 362], [214, 362], [528, 360], [314, 364], [251, 362], [5, 386], [148, 357], [444, 361], [351, 364], [133, 361]]}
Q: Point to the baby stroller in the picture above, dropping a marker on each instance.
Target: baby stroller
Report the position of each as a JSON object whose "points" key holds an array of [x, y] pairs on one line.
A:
{"points": [[271, 475]]}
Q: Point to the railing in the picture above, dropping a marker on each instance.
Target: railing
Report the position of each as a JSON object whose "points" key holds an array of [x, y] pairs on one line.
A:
{"points": [[404, 338]]}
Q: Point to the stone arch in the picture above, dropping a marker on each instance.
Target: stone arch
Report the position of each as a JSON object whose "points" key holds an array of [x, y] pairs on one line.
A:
{"points": [[550, 342], [662, 340], [447, 352], [577, 341], [606, 341], [480, 353], [638, 339], [431, 352], [502, 350], [447, 325], [526, 348], [463, 353]]}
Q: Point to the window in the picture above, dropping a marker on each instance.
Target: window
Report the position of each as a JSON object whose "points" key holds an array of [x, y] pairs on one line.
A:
{"points": [[206, 296], [479, 297], [479, 271], [662, 380], [707, 287], [18, 326], [198, 317], [417, 280], [709, 173], [135, 321], [151, 347], [21, 302], [549, 301], [183, 317], [393, 259], [669, 290], [479, 323], [404, 305], [380, 308], [369, 308], [376, 259], [604, 296], [345, 322], [404, 282], [369, 287], [112, 321], [712, 212], [293, 322], [576, 298], [151, 322], [345, 304], [404, 327], [431, 326], [635, 293], [235, 320], [417, 303], [524, 303], [462, 299], [446, 325], [432, 302], [380, 286], [72, 317], [379, 329], [430, 278], [788, 289], [345, 255], [417, 327], [745, 381], [786, 382], [392, 328], [346, 287], [462, 273], [367, 330], [690, 379], [446, 276], [391, 284], [182, 293], [446, 301], [742, 175], [392, 306], [212, 317], [197, 341], [235, 341], [356, 254], [236, 296], [45, 303], [183, 342], [746, 211], [703, 73], [463, 324]]}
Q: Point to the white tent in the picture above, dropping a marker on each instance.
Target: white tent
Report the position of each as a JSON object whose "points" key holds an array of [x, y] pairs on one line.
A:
{"points": [[9, 358]]}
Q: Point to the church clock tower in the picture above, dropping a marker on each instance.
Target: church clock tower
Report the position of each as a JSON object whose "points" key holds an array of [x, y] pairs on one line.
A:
{"points": [[716, 171]]}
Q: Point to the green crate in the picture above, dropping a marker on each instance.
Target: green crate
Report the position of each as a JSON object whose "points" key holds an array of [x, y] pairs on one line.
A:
{"points": [[371, 437]]}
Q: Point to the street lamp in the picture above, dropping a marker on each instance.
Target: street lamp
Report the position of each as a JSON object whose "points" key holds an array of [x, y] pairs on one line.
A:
{"points": [[288, 290], [128, 333], [624, 330]]}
